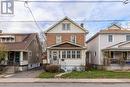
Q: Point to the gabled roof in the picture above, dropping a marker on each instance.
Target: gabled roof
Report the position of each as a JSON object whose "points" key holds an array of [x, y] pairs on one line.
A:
{"points": [[20, 44], [109, 30], [66, 18]]}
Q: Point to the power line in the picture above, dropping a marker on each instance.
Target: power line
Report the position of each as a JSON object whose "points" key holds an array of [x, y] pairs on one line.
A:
{"points": [[47, 21], [84, 1], [41, 32]]}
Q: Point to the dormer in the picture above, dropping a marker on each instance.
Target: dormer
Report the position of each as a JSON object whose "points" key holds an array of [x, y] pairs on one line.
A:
{"points": [[7, 38]]}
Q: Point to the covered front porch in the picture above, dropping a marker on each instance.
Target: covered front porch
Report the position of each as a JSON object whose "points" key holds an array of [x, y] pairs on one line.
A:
{"points": [[16, 61], [116, 59]]}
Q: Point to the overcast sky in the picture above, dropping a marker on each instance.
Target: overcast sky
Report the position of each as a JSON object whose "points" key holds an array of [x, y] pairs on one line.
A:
{"points": [[79, 12]]}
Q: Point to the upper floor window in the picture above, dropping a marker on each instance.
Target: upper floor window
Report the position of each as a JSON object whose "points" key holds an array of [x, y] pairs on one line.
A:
{"points": [[58, 39], [73, 38], [66, 26], [7, 39], [127, 37], [110, 38]]}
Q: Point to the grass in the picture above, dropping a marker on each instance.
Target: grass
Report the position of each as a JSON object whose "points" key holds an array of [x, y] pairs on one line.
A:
{"points": [[47, 75], [97, 74]]}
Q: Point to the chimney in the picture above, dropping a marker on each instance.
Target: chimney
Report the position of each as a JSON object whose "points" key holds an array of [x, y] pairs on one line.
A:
{"points": [[0, 31], [82, 25]]}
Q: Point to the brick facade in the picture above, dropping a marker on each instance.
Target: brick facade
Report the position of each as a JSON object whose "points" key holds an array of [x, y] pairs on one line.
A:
{"points": [[66, 37]]}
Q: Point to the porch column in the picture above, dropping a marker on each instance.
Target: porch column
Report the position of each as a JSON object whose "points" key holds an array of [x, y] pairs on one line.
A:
{"points": [[48, 56], [6, 58], [21, 57]]}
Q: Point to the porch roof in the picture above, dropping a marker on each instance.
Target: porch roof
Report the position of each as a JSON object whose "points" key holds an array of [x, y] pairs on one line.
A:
{"points": [[122, 46], [66, 45], [20, 45], [117, 49]]}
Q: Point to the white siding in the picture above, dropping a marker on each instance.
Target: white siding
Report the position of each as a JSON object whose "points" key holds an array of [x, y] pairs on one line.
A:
{"points": [[117, 38], [93, 46], [73, 28]]}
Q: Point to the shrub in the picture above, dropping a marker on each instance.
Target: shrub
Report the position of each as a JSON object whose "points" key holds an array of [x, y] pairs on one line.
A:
{"points": [[52, 68], [44, 66]]}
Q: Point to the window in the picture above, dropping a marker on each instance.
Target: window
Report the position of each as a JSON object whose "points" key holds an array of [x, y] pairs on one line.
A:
{"points": [[66, 26], [63, 54], [68, 54], [30, 53], [58, 39], [127, 37], [73, 54], [110, 38], [78, 54], [73, 38], [94, 53], [7, 39]]}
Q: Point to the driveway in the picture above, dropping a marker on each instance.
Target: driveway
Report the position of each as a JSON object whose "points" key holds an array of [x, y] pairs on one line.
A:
{"points": [[27, 74]]}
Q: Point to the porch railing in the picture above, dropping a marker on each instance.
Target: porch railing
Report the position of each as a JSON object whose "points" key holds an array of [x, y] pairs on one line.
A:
{"points": [[108, 61]]}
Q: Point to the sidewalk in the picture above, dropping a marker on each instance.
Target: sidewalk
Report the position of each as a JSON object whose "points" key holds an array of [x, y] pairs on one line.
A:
{"points": [[38, 80]]}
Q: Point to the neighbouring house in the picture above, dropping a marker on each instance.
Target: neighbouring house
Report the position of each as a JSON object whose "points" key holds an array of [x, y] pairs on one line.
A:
{"points": [[66, 44], [23, 50], [110, 48]]}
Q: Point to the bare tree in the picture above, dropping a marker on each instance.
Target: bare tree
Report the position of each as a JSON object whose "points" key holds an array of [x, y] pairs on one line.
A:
{"points": [[3, 52]]}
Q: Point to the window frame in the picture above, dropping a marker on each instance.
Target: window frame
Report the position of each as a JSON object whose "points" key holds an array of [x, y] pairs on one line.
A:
{"points": [[78, 54], [73, 39], [110, 38], [58, 39], [127, 37], [68, 54], [65, 26], [63, 54]]}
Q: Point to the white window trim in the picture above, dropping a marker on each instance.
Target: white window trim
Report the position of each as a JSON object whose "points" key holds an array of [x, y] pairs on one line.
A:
{"points": [[126, 37], [65, 27], [112, 38], [71, 39], [58, 39], [30, 53]]}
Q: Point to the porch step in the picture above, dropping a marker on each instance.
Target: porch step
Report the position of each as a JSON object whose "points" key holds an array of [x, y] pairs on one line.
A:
{"points": [[10, 69]]}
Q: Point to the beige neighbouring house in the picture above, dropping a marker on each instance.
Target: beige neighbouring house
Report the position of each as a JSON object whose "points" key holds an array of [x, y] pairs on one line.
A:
{"points": [[23, 51], [110, 48], [66, 44]]}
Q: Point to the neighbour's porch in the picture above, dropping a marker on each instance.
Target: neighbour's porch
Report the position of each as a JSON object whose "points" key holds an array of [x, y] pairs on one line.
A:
{"points": [[119, 59], [15, 61], [16, 58]]}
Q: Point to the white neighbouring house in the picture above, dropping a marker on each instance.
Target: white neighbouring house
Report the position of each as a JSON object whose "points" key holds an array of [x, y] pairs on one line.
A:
{"points": [[110, 48], [66, 44]]}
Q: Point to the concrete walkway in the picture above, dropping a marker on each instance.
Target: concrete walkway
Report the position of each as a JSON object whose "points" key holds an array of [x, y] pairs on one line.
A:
{"points": [[38, 80]]}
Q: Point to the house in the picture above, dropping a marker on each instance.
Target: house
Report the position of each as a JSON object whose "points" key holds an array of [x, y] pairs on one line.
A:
{"points": [[23, 50], [66, 44], [110, 48]]}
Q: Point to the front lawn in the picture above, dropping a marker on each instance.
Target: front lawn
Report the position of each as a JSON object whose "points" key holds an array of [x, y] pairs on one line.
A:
{"points": [[47, 75], [97, 74]]}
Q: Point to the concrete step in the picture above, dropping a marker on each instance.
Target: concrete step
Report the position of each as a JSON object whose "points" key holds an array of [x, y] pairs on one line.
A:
{"points": [[10, 69]]}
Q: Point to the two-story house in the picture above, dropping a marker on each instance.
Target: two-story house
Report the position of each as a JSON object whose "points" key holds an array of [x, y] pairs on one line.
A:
{"points": [[110, 48], [66, 44], [23, 51]]}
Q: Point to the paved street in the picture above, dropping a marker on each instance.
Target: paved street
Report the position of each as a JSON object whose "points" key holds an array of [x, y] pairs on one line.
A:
{"points": [[62, 85]]}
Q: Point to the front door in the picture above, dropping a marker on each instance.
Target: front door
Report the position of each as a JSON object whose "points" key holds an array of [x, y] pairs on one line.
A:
{"points": [[55, 57]]}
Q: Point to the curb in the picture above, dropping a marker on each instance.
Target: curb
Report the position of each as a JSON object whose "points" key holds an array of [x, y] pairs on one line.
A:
{"points": [[38, 80]]}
